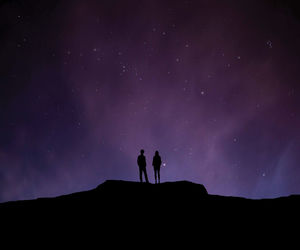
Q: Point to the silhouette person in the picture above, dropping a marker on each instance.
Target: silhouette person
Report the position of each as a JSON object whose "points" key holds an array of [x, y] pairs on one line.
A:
{"points": [[141, 161], [156, 163]]}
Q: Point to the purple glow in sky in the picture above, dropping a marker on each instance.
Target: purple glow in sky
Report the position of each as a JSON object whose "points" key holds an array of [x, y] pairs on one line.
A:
{"points": [[212, 85]]}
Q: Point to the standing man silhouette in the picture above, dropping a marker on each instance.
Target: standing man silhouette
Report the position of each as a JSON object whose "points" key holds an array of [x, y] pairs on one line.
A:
{"points": [[156, 163], [141, 161]]}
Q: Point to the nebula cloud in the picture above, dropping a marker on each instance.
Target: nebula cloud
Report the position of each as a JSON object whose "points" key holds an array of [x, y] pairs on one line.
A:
{"points": [[86, 84]]}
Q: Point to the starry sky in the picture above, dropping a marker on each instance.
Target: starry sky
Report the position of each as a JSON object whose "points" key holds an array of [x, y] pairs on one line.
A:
{"points": [[212, 85]]}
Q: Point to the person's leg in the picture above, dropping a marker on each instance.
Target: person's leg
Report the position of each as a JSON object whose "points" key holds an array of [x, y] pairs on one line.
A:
{"points": [[155, 175], [141, 175], [146, 176], [158, 172]]}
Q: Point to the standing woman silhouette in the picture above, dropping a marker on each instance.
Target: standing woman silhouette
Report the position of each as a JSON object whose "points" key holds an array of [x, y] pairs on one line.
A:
{"points": [[156, 163]]}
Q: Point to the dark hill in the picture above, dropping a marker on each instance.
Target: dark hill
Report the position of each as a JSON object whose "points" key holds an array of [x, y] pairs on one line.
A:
{"points": [[116, 198], [181, 208]]}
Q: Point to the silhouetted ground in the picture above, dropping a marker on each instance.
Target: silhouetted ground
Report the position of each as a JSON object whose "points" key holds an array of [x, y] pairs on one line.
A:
{"points": [[170, 211]]}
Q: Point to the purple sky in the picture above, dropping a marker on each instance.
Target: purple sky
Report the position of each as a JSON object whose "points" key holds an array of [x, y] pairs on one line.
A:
{"points": [[213, 85]]}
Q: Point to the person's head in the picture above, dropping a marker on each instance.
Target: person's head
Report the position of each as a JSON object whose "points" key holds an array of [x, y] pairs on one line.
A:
{"points": [[156, 152], [142, 151]]}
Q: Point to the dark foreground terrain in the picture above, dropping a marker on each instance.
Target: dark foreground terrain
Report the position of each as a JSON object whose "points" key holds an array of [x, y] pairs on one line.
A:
{"points": [[177, 209]]}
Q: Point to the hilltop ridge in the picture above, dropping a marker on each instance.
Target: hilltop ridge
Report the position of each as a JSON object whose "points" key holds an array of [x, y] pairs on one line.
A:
{"points": [[178, 207]]}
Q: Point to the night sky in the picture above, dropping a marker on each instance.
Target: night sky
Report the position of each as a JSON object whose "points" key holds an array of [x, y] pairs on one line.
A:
{"points": [[212, 85]]}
